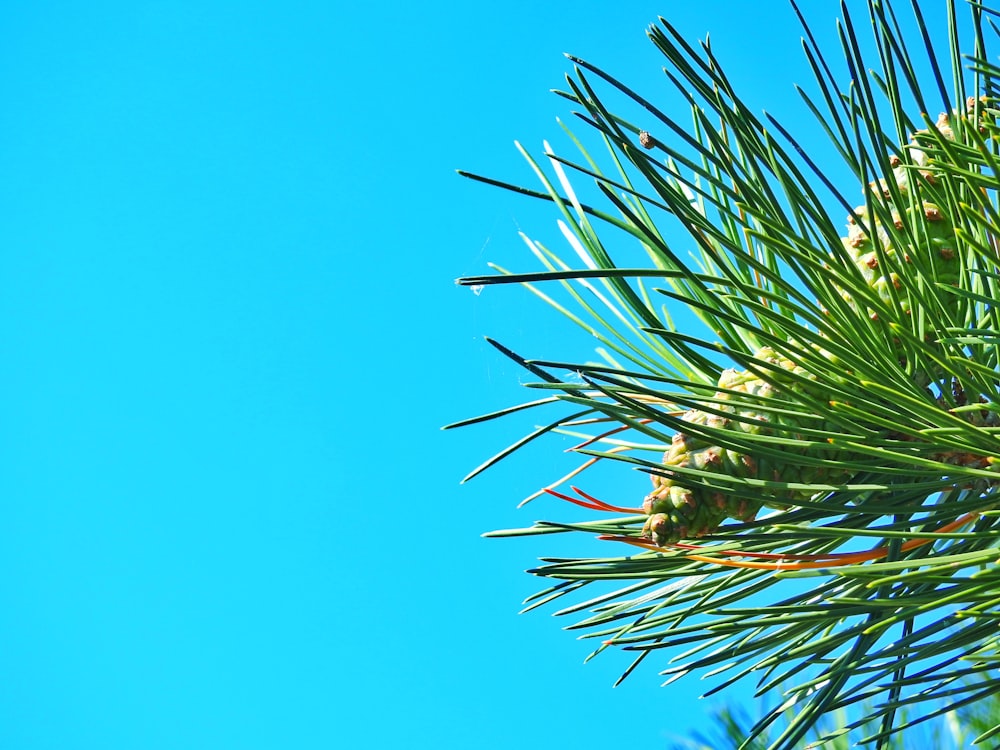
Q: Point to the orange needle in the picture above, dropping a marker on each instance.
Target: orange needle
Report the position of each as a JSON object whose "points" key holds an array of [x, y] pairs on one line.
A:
{"points": [[799, 562]]}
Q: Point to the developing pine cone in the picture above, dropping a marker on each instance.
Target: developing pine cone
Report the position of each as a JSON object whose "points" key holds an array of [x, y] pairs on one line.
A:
{"points": [[683, 506], [876, 251], [910, 224]]}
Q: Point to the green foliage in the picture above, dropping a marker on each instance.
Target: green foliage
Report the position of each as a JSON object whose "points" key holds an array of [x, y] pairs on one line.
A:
{"points": [[954, 730], [875, 577]]}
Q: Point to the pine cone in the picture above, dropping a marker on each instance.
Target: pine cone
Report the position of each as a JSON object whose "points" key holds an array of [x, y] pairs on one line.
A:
{"points": [[929, 237], [686, 507]]}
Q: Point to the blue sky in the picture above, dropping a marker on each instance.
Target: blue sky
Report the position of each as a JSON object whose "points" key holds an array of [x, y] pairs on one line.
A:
{"points": [[228, 242]]}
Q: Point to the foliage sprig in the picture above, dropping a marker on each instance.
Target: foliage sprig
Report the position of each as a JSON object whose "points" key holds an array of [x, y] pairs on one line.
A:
{"points": [[841, 409]]}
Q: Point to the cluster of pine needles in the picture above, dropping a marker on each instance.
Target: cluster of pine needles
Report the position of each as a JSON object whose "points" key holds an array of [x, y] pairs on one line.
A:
{"points": [[824, 507]]}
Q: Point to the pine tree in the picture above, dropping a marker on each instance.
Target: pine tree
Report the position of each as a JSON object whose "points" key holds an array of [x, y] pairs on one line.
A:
{"points": [[824, 487]]}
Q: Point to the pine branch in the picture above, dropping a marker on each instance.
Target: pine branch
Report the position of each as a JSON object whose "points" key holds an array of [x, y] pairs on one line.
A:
{"points": [[824, 511]]}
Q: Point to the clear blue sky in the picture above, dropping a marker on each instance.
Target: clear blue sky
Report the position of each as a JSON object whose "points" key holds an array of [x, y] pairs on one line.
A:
{"points": [[230, 334]]}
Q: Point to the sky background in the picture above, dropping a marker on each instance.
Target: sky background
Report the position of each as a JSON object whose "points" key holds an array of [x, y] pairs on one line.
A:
{"points": [[229, 234]]}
